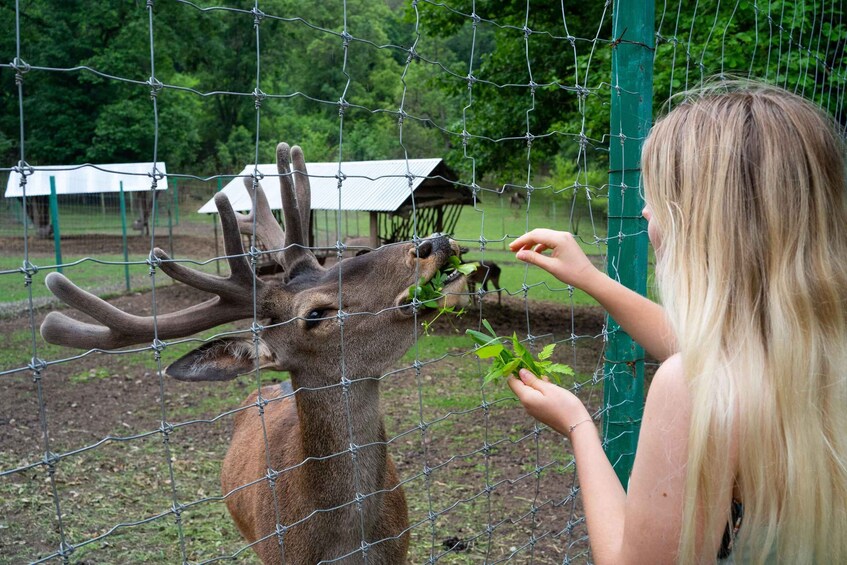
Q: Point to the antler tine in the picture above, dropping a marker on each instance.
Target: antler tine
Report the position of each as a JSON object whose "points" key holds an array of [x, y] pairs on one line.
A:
{"points": [[303, 189], [240, 278], [268, 230], [119, 329], [295, 207]]}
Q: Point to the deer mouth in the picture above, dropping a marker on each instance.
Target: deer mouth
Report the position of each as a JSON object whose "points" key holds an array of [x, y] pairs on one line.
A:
{"points": [[445, 288]]}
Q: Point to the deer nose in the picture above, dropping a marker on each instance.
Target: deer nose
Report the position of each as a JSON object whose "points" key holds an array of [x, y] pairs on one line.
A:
{"points": [[425, 249], [437, 243], [440, 243]]}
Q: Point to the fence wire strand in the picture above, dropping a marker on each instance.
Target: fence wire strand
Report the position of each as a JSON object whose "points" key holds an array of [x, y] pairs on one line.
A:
{"points": [[505, 491]]}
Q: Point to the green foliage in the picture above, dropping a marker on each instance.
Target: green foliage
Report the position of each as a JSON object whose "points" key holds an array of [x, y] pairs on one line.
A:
{"points": [[95, 103], [430, 292], [505, 362]]}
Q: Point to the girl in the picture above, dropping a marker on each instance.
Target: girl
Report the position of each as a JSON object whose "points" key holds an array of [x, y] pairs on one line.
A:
{"points": [[745, 423]]}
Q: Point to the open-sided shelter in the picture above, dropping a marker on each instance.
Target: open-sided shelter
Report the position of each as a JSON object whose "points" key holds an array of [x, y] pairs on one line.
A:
{"points": [[389, 190], [88, 193]]}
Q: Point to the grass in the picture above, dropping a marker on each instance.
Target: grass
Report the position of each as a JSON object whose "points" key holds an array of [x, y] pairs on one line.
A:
{"points": [[129, 482], [105, 275], [116, 484]]}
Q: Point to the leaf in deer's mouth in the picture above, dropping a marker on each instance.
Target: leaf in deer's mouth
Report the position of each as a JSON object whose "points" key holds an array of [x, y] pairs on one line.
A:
{"points": [[430, 292]]}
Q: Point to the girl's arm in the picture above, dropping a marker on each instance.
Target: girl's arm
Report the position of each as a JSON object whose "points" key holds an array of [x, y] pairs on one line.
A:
{"points": [[644, 320], [643, 525]]}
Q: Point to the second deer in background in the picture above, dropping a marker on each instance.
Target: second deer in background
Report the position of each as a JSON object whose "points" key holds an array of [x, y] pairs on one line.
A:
{"points": [[485, 272]]}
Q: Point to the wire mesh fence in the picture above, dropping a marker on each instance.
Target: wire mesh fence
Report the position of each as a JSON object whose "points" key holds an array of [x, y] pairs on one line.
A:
{"points": [[106, 459]]}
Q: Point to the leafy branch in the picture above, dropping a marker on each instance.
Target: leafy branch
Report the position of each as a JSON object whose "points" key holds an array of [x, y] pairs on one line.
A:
{"points": [[506, 361], [429, 293]]}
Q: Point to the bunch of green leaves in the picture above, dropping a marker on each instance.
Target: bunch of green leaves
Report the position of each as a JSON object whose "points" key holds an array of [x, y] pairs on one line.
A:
{"points": [[506, 361], [430, 292]]}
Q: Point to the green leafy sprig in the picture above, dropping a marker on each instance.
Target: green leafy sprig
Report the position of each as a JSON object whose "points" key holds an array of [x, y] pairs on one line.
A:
{"points": [[430, 292], [506, 361]]}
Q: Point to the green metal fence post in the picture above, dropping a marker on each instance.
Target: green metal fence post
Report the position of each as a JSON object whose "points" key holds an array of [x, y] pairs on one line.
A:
{"points": [[175, 200], [54, 221], [123, 234], [631, 117]]}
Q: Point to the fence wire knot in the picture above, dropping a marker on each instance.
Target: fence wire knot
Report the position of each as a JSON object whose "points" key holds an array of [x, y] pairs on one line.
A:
{"points": [[50, 460], [29, 270], [258, 16], [342, 316], [258, 97], [65, 549], [21, 68], [255, 254], [257, 176], [156, 86], [153, 262]]}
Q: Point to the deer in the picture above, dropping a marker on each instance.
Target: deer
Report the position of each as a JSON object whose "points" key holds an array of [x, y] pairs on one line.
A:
{"points": [[332, 492], [485, 271], [142, 222]]}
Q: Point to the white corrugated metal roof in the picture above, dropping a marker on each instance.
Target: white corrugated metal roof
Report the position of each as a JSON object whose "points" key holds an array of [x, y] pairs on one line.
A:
{"points": [[87, 179], [376, 186]]}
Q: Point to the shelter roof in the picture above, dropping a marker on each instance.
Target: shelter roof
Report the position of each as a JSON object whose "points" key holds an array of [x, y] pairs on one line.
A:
{"points": [[87, 179], [375, 186]]}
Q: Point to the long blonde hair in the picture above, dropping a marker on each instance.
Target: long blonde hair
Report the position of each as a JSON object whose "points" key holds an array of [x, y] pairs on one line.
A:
{"points": [[747, 189]]}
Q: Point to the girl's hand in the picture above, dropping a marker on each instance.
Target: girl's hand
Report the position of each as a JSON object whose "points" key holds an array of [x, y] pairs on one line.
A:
{"points": [[567, 262], [549, 404]]}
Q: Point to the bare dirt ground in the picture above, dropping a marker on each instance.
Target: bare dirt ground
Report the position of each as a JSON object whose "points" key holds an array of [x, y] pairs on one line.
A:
{"points": [[483, 484]]}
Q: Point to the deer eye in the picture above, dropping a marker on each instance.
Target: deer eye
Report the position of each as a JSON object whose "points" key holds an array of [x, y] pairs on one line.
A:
{"points": [[314, 318]]}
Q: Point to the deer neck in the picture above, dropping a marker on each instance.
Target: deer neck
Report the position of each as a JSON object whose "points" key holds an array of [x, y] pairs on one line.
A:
{"points": [[333, 418]]}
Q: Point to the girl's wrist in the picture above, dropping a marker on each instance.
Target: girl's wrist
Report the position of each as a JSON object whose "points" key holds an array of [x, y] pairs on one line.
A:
{"points": [[592, 281], [572, 427]]}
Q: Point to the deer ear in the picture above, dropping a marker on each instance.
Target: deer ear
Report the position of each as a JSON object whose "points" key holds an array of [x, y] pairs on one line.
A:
{"points": [[221, 360]]}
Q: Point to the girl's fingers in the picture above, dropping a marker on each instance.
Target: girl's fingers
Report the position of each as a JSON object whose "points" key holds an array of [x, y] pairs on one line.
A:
{"points": [[545, 262], [531, 238], [529, 379]]}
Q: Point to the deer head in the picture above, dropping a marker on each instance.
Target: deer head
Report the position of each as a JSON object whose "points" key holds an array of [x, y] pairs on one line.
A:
{"points": [[358, 310]]}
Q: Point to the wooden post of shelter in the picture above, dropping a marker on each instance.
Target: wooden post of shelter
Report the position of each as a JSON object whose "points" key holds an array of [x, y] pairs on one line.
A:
{"points": [[373, 242]]}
